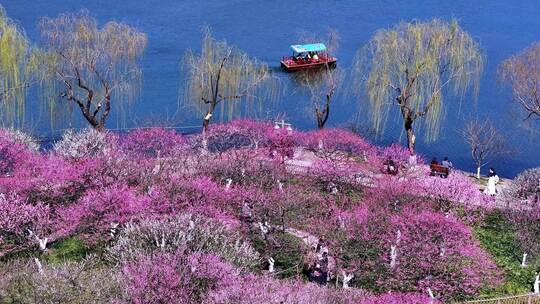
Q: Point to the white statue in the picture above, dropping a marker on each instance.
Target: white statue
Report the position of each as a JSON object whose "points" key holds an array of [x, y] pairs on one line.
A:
{"points": [[264, 228], [42, 242], [346, 279], [393, 250], [280, 185], [113, 228], [321, 145], [524, 260], [536, 286], [39, 266], [443, 251], [271, 264], [431, 296], [393, 255], [228, 184]]}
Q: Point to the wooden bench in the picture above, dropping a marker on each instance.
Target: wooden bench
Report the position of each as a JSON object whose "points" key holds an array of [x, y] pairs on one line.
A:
{"points": [[439, 170]]}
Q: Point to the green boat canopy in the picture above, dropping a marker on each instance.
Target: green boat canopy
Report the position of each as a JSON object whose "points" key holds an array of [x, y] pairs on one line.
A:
{"points": [[303, 48]]}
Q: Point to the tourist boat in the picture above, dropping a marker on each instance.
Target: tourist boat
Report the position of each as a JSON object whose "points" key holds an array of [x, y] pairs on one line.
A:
{"points": [[307, 56]]}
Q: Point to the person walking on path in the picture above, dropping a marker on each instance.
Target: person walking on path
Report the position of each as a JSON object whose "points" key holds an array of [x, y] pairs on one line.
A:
{"points": [[493, 180]]}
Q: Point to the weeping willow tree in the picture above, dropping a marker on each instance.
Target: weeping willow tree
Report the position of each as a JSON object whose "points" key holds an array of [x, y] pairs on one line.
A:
{"points": [[90, 66], [15, 70], [522, 73], [223, 74], [410, 66], [322, 84]]}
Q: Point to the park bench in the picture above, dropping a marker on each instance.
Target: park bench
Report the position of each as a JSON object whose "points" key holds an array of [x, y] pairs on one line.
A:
{"points": [[439, 170]]}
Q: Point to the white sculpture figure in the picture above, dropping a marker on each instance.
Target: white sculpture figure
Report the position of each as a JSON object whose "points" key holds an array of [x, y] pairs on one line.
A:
{"points": [[332, 187], [228, 184], [42, 242], [113, 228], [157, 168], [537, 284], [393, 255], [280, 186], [39, 266], [321, 145], [246, 210], [160, 242], [431, 296], [443, 251], [524, 260], [271, 264], [341, 222], [393, 250], [346, 279], [264, 229]]}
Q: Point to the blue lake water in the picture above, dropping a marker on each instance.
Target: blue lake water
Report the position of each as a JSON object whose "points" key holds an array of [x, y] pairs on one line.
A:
{"points": [[264, 29]]}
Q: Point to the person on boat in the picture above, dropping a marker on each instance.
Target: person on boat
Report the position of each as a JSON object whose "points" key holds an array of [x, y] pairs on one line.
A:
{"points": [[315, 56], [434, 161], [493, 180], [447, 163]]}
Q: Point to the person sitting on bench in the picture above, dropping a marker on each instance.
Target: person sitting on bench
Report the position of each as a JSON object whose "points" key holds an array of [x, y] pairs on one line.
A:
{"points": [[446, 163], [436, 169]]}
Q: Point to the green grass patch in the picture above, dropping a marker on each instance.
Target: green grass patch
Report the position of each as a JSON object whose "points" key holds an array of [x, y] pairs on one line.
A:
{"points": [[497, 237], [69, 249], [285, 249]]}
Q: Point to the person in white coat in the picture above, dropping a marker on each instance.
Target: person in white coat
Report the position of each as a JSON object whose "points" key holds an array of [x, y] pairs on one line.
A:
{"points": [[493, 180]]}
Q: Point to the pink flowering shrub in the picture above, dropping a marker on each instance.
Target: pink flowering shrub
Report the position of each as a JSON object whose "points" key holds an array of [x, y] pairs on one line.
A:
{"points": [[87, 143], [526, 223], [86, 281], [17, 217], [437, 252], [175, 278], [152, 142], [184, 234], [13, 153], [328, 142], [21, 137], [400, 298], [525, 188], [256, 289], [98, 209], [398, 153]]}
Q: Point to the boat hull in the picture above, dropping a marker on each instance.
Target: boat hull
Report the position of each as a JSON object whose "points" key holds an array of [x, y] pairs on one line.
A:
{"points": [[291, 65]]}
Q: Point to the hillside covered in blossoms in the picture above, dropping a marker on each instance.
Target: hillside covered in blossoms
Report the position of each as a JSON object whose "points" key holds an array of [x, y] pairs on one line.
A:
{"points": [[249, 213]]}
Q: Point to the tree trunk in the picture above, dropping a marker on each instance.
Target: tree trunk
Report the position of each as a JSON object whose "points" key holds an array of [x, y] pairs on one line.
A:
{"points": [[410, 135], [206, 119], [322, 117]]}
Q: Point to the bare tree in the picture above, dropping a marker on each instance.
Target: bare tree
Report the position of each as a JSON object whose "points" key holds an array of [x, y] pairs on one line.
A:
{"points": [[90, 66], [323, 83], [222, 73], [410, 66], [485, 141], [522, 73], [15, 68]]}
